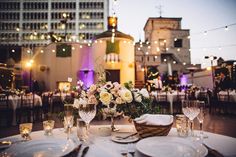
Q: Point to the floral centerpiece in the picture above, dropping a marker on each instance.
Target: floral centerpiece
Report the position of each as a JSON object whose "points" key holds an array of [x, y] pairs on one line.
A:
{"points": [[111, 98]]}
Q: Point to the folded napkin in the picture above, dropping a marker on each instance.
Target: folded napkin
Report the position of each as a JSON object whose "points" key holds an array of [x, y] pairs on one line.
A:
{"points": [[155, 119]]}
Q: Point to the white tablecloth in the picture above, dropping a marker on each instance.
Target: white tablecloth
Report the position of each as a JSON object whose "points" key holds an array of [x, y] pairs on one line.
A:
{"points": [[232, 95], [15, 102], [171, 97], [104, 147]]}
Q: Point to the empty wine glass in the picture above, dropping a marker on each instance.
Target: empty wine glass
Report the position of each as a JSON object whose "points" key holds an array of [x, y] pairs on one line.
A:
{"points": [[87, 113], [190, 109], [201, 117], [68, 119]]}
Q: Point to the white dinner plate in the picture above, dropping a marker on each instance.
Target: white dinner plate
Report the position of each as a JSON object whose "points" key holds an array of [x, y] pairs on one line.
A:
{"points": [[116, 137], [41, 148], [163, 146]]}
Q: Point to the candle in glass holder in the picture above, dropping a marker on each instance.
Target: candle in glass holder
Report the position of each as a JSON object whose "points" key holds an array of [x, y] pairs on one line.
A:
{"points": [[182, 125], [48, 126], [25, 130]]}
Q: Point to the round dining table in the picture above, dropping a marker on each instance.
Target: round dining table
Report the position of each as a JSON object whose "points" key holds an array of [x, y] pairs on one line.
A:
{"points": [[103, 146]]}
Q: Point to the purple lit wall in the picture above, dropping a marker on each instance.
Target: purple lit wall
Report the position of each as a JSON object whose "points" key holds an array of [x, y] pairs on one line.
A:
{"points": [[86, 72], [87, 77]]}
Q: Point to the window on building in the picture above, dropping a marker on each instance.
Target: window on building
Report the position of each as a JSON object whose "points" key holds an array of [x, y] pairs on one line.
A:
{"points": [[178, 43]]}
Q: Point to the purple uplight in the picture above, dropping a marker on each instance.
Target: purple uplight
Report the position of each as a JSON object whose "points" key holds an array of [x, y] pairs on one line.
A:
{"points": [[87, 76], [183, 80], [86, 72]]}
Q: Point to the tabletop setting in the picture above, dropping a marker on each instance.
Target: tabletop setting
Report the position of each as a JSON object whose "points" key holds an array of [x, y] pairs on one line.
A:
{"points": [[148, 133]]}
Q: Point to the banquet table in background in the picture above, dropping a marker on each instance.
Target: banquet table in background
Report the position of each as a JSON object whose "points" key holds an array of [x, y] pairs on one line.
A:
{"points": [[232, 95], [101, 146], [15, 102], [171, 97]]}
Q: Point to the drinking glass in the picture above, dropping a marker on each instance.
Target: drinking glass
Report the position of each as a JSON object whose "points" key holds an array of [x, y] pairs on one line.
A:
{"points": [[87, 113], [68, 118], [201, 117], [48, 126], [191, 109], [25, 130], [182, 125], [81, 129]]}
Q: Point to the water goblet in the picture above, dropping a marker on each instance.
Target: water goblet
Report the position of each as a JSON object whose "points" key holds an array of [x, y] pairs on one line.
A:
{"points": [[190, 109], [81, 129], [68, 122], [87, 112], [68, 118], [201, 117]]}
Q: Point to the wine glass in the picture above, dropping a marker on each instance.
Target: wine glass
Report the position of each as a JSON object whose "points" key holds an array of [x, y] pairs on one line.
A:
{"points": [[190, 109], [87, 113], [201, 117], [68, 119]]}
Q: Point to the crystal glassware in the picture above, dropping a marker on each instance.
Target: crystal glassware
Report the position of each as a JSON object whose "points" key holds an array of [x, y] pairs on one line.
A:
{"points": [[87, 113], [68, 123], [25, 130], [48, 126], [68, 119], [200, 118], [81, 130], [191, 109], [182, 125]]}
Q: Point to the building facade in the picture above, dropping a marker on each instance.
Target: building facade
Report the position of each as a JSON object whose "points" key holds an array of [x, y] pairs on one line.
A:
{"points": [[32, 22], [166, 46]]}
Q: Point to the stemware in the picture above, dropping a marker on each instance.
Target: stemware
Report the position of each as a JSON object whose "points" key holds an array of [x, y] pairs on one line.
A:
{"points": [[201, 117], [87, 113], [190, 109], [68, 119]]}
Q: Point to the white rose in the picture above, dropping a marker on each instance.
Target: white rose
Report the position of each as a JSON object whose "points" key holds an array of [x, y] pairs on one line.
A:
{"points": [[137, 97], [119, 100], [126, 95], [105, 97], [144, 93]]}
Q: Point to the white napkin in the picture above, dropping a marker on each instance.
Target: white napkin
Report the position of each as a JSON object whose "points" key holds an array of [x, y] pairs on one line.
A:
{"points": [[155, 119]]}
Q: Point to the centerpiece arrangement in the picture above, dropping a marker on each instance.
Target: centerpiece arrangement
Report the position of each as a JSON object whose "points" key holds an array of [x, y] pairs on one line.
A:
{"points": [[112, 98]]}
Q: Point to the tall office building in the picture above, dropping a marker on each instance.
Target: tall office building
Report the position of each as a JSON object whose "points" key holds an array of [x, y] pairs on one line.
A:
{"points": [[32, 22]]}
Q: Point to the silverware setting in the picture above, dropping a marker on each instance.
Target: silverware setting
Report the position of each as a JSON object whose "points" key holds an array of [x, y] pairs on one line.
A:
{"points": [[125, 137]]}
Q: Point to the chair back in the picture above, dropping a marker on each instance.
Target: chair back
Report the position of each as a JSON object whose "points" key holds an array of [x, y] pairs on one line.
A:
{"points": [[4, 103]]}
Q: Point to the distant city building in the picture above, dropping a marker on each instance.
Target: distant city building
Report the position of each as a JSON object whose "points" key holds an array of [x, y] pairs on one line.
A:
{"points": [[166, 46], [32, 22]]}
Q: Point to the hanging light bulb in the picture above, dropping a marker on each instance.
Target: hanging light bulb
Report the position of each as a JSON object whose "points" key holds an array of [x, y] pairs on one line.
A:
{"points": [[175, 39]]}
